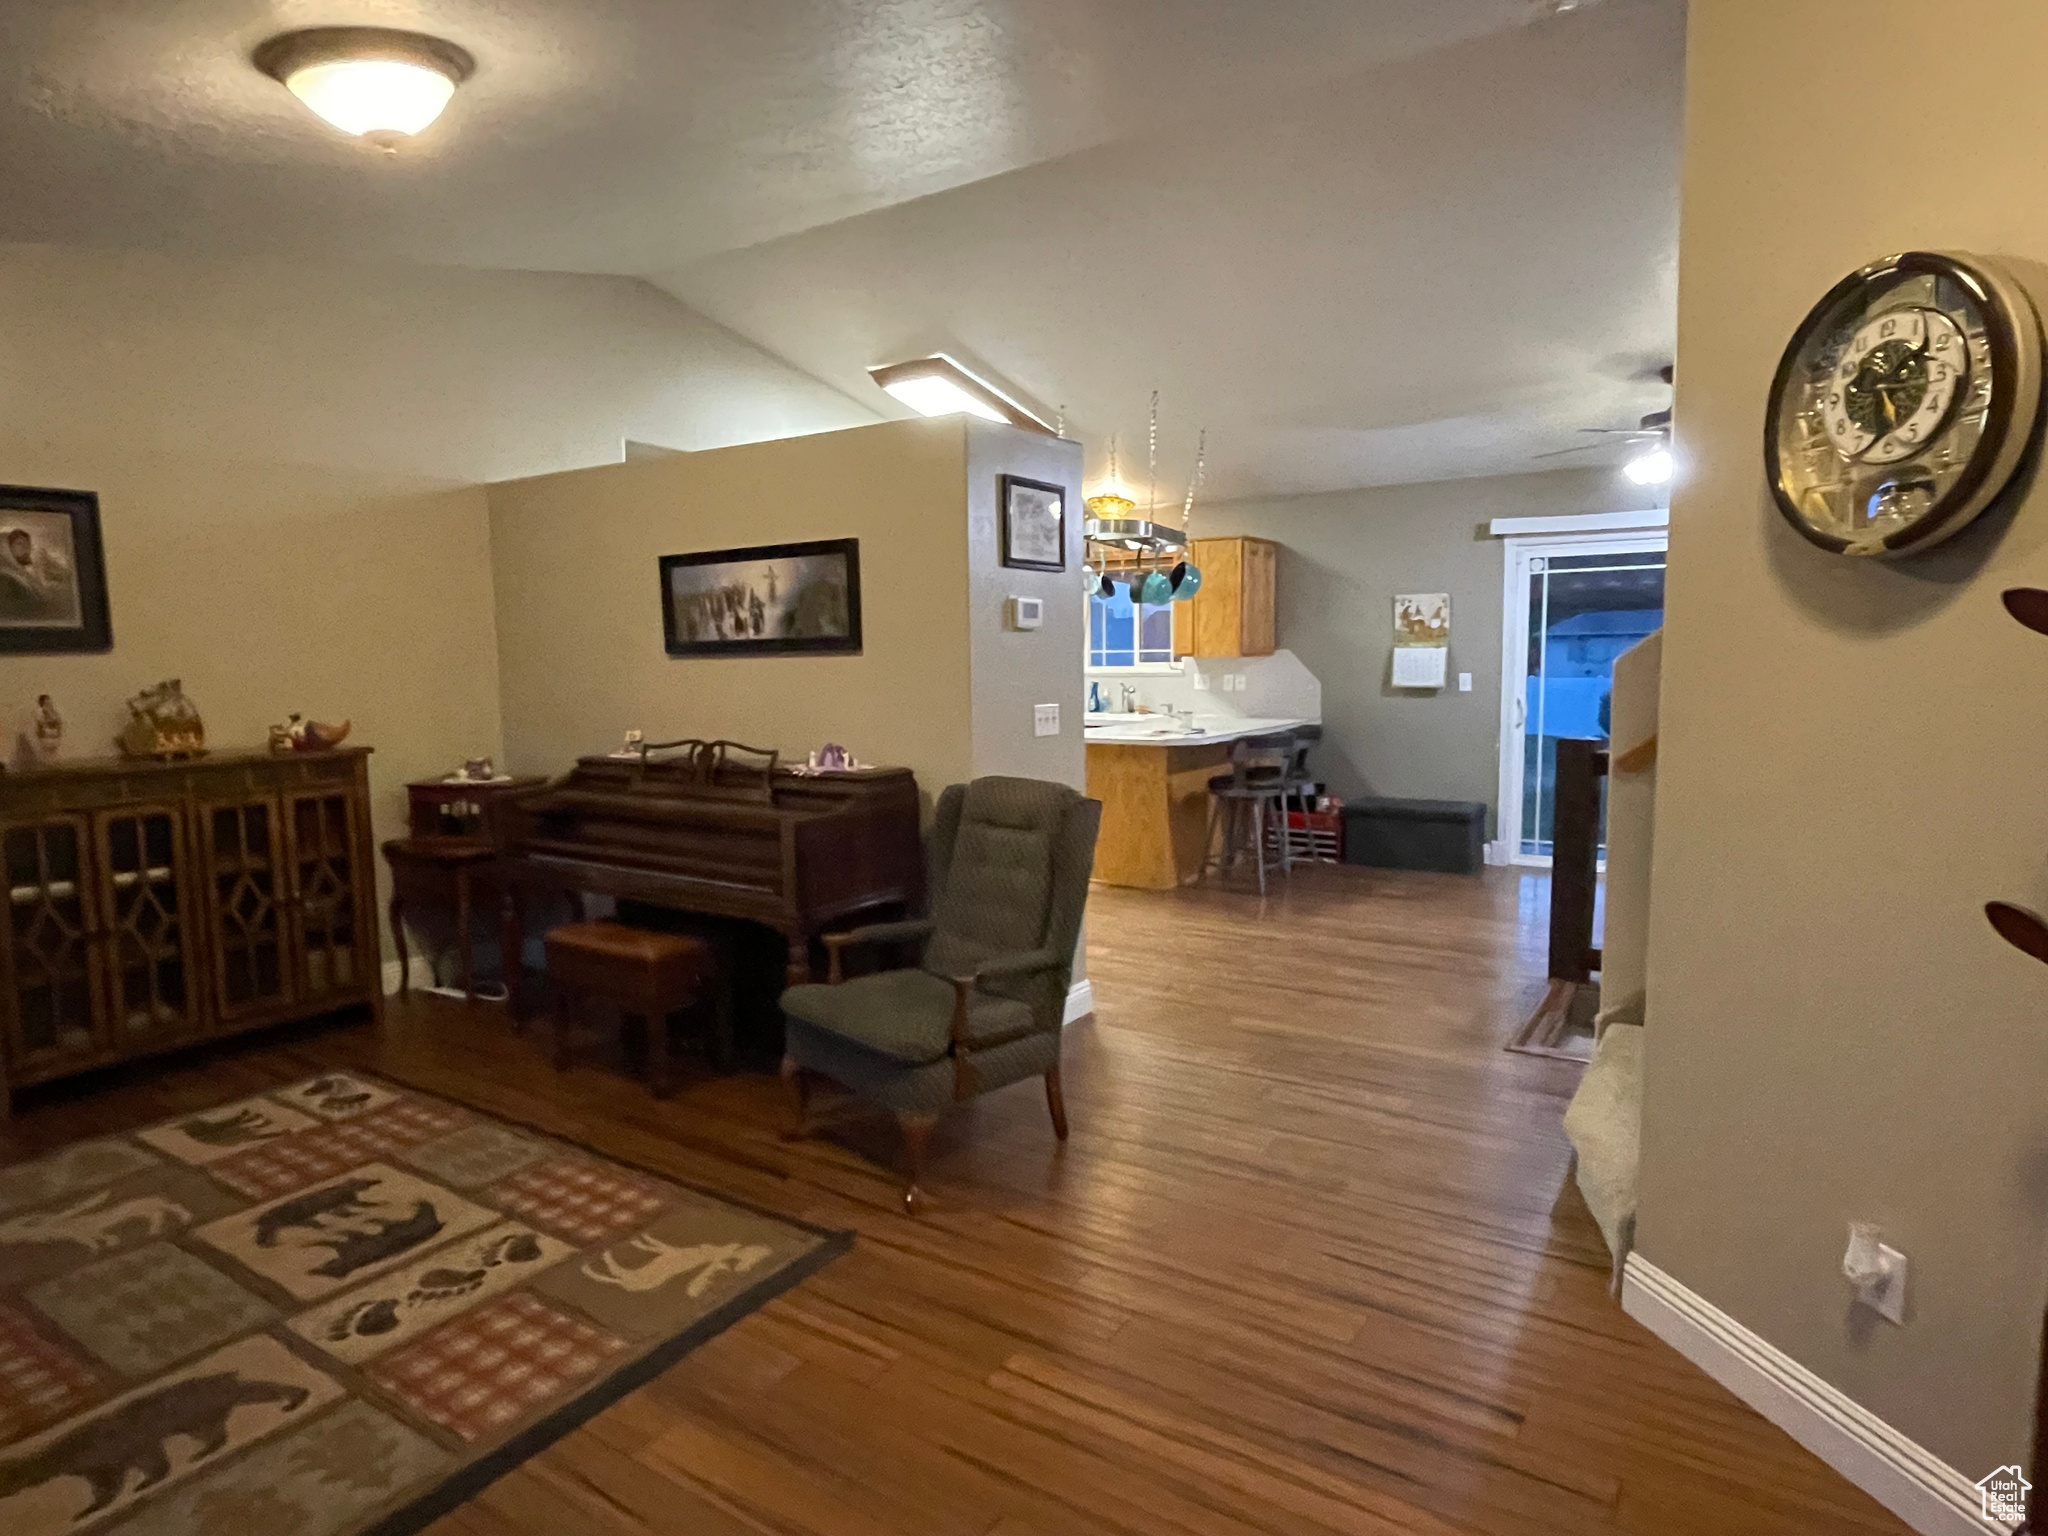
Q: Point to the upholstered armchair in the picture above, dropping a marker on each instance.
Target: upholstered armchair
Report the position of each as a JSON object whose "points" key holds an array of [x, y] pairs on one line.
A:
{"points": [[981, 1007]]}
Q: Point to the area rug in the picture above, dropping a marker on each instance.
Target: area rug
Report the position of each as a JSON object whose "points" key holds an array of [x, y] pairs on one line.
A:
{"points": [[336, 1309]]}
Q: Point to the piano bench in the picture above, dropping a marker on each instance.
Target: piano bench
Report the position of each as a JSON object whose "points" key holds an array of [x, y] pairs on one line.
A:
{"points": [[640, 972]]}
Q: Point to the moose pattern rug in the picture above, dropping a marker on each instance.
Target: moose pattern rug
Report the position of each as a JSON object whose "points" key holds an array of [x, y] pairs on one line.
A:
{"points": [[337, 1309]]}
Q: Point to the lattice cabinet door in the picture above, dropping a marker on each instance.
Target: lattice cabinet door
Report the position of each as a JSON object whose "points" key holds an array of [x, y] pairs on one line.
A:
{"points": [[150, 958], [54, 988], [328, 895], [248, 889]]}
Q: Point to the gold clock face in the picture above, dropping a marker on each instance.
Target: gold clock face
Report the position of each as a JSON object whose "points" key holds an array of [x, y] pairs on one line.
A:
{"points": [[1904, 403]]}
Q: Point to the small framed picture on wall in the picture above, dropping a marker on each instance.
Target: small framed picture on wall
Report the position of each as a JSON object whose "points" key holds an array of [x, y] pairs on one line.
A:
{"points": [[53, 578], [1034, 524]]}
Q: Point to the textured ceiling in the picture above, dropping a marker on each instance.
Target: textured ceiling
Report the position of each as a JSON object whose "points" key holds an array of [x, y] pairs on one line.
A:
{"points": [[1423, 270], [1363, 240], [625, 136]]}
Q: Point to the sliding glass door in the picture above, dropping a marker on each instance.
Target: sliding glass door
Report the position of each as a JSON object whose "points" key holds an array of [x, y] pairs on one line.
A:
{"points": [[1574, 603]]}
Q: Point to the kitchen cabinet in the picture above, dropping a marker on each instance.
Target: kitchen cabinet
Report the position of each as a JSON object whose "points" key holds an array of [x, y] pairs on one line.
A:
{"points": [[1233, 613]]}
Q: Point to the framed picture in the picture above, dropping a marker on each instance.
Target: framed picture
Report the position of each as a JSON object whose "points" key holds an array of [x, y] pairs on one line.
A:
{"points": [[53, 579], [767, 600], [1034, 524]]}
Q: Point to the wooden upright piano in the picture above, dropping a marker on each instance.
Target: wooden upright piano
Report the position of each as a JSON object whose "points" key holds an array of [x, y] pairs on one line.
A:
{"points": [[719, 829]]}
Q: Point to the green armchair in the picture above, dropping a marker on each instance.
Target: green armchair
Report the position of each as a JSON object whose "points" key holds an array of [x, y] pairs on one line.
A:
{"points": [[1007, 862]]}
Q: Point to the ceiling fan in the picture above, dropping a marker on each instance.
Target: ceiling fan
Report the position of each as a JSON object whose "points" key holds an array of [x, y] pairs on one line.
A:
{"points": [[1651, 437]]}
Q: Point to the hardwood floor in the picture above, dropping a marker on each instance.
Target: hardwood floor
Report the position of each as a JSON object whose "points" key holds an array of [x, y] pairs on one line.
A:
{"points": [[1311, 1263]]}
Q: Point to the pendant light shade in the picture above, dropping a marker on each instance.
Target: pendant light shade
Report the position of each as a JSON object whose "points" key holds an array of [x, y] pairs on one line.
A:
{"points": [[374, 82]]}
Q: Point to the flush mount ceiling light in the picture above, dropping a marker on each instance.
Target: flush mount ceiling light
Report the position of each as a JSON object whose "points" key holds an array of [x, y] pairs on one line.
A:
{"points": [[374, 82], [938, 386]]}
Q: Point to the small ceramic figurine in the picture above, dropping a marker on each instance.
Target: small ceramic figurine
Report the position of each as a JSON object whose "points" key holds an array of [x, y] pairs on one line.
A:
{"points": [[479, 770], [47, 734], [301, 735], [162, 722]]}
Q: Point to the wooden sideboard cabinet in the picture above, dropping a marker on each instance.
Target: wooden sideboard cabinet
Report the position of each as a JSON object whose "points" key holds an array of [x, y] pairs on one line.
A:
{"points": [[150, 905], [1233, 613]]}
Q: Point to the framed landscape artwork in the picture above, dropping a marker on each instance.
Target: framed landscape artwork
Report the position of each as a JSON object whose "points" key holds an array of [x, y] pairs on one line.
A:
{"points": [[767, 600], [53, 579], [1034, 524]]}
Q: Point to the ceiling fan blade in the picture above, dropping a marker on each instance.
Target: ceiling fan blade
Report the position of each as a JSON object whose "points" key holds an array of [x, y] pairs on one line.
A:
{"points": [[2023, 930], [2029, 605]]}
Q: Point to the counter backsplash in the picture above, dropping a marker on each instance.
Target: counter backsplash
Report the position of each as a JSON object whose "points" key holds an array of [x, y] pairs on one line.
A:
{"points": [[1276, 687]]}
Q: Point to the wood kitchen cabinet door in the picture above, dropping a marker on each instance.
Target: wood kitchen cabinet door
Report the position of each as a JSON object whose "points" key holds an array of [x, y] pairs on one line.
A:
{"points": [[1234, 612]]}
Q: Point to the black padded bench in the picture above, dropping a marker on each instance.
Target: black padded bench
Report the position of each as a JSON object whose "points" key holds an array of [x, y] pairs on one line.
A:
{"points": [[1447, 836]]}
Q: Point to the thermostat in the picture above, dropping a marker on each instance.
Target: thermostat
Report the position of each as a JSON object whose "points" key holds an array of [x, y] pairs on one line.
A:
{"points": [[1027, 612]]}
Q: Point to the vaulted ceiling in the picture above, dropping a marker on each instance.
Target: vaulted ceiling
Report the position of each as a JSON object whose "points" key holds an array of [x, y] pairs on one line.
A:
{"points": [[1362, 241]]}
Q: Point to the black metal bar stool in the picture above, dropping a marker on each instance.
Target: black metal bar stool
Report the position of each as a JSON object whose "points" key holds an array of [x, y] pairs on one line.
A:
{"points": [[1243, 799]]}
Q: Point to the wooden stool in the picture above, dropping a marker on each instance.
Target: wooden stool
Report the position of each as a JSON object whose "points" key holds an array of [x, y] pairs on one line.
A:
{"points": [[646, 974]]}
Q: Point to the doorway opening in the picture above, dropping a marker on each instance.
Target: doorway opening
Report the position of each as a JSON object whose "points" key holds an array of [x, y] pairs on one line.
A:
{"points": [[1574, 602]]}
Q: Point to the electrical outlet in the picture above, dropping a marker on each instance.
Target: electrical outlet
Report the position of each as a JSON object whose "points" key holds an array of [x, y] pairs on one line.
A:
{"points": [[1241, 682], [1464, 682], [1201, 682], [1230, 682], [1045, 720]]}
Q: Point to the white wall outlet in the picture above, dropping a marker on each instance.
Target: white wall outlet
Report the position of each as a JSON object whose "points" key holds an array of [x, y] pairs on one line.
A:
{"points": [[1201, 681], [1877, 1270], [1464, 682], [1027, 612], [1230, 682], [1242, 682], [1045, 720]]}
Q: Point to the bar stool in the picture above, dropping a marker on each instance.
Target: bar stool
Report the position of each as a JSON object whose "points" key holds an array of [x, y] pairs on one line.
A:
{"points": [[1300, 789], [1255, 788], [646, 974]]}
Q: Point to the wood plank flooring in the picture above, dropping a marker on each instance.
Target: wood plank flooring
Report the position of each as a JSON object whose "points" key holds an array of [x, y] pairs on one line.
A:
{"points": [[1311, 1263]]}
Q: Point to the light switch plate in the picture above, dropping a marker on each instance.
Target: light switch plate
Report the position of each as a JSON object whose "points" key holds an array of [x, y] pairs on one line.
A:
{"points": [[1045, 720], [1201, 682], [1464, 682]]}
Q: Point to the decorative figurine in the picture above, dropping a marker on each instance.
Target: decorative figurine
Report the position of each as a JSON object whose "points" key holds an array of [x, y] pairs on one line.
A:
{"points": [[832, 758], [635, 745], [301, 735], [163, 723], [46, 734]]}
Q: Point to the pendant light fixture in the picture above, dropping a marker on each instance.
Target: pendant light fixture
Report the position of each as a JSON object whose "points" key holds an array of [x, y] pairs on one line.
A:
{"points": [[377, 83]]}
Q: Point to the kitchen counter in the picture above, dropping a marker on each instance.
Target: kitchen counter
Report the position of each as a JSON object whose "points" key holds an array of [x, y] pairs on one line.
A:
{"points": [[1164, 730], [1152, 774]]}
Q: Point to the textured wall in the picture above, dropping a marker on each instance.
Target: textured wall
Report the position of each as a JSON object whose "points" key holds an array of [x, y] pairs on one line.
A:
{"points": [[1851, 759], [284, 455], [1343, 557]]}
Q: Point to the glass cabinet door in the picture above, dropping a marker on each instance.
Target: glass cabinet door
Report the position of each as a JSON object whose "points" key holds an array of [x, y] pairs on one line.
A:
{"points": [[150, 985], [322, 830], [245, 896], [52, 925]]}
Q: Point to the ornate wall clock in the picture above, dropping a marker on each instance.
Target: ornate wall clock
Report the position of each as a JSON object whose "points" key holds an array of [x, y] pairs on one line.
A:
{"points": [[1904, 403]]}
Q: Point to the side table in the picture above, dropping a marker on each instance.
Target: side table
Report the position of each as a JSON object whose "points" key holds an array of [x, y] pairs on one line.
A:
{"points": [[450, 873]]}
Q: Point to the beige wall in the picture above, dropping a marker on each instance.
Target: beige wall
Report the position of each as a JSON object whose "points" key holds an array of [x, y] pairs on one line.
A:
{"points": [[1851, 757], [579, 609], [1015, 670], [283, 455], [1343, 556]]}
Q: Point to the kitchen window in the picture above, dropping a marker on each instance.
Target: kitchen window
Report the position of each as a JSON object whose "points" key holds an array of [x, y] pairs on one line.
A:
{"points": [[1123, 632]]}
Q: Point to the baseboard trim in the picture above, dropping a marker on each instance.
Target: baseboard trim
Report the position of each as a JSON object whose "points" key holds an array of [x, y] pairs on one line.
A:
{"points": [[1080, 1001], [422, 974], [1913, 1483]]}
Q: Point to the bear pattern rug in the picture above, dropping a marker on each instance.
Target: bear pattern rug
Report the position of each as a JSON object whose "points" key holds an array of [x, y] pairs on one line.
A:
{"points": [[337, 1309]]}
